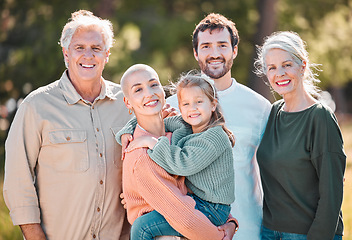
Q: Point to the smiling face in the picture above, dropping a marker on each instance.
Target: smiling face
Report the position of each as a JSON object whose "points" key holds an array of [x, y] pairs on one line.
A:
{"points": [[86, 55], [215, 54], [143, 93], [196, 108], [283, 72]]}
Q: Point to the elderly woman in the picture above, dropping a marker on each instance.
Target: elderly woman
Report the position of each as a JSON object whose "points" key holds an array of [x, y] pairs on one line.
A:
{"points": [[301, 156]]}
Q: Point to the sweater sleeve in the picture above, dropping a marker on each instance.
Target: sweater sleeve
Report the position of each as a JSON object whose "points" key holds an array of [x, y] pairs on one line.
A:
{"points": [[189, 157], [127, 129], [159, 189], [330, 162]]}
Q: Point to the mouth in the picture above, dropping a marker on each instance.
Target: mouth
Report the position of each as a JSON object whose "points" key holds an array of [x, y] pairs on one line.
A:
{"points": [[151, 103], [88, 66], [215, 62], [283, 83], [194, 115]]}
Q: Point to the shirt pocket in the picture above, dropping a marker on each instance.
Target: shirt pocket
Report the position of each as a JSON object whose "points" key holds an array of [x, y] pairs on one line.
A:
{"points": [[67, 150]]}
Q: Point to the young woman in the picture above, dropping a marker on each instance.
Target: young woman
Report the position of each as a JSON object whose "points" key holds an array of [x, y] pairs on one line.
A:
{"points": [[146, 185], [301, 156], [200, 149]]}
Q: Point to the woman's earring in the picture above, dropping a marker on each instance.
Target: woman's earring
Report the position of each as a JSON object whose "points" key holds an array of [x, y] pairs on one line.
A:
{"points": [[130, 111]]}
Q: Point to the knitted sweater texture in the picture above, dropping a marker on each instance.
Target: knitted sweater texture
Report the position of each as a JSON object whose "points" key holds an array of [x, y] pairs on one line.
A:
{"points": [[149, 187]]}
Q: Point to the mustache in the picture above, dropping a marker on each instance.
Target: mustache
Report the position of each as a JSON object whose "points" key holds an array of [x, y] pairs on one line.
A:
{"points": [[214, 59]]}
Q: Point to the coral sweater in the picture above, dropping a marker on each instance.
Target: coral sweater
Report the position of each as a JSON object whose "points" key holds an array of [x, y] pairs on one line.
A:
{"points": [[149, 187]]}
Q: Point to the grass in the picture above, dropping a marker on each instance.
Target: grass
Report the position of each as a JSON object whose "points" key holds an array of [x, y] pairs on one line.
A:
{"points": [[10, 232]]}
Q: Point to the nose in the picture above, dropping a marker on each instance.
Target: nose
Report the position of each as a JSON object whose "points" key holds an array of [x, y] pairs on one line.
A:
{"points": [[89, 53], [149, 92], [280, 72], [215, 53]]}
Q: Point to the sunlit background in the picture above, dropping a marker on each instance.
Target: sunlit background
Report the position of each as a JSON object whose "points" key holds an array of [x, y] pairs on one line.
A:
{"points": [[158, 33]]}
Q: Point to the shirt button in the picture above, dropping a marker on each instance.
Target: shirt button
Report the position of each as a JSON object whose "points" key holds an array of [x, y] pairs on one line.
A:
{"points": [[101, 182], [98, 209], [92, 107], [100, 154], [94, 236], [97, 129], [68, 138]]}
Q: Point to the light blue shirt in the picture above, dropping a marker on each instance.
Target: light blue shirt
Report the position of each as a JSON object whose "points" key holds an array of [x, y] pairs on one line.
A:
{"points": [[246, 113]]}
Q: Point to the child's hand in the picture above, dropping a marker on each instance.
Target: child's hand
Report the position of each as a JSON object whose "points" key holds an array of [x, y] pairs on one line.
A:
{"points": [[168, 111], [145, 141], [123, 202], [125, 140]]}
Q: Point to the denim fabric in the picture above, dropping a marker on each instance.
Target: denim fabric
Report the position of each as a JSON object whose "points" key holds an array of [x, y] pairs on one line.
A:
{"points": [[268, 234], [153, 224]]}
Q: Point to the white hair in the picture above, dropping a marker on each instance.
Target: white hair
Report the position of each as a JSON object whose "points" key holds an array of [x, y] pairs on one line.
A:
{"points": [[86, 19], [292, 43]]}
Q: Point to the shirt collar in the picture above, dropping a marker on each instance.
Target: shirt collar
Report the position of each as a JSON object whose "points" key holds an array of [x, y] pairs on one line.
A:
{"points": [[72, 96]]}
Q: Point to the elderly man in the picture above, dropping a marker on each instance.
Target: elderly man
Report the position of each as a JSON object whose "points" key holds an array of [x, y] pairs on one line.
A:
{"points": [[63, 168]]}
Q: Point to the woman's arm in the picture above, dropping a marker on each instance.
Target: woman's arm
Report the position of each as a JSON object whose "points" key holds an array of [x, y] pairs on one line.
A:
{"points": [[160, 190]]}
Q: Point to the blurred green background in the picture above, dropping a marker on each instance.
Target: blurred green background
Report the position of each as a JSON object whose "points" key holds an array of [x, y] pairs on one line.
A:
{"points": [[158, 33]]}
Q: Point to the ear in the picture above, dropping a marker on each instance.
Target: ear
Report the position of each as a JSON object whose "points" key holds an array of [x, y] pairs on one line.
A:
{"points": [[215, 104], [195, 54], [107, 56], [127, 103], [235, 51], [303, 67], [65, 53]]}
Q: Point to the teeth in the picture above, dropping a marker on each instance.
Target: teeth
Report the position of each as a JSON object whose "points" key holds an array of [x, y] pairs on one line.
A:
{"points": [[87, 66], [283, 82], [151, 103]]}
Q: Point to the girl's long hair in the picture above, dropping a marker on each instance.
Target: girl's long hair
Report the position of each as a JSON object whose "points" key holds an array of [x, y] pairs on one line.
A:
{"points": [[195, 79]]}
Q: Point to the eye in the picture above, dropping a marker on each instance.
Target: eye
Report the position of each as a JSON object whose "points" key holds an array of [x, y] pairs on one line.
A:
{"points": [[185, 104], [154, 85], [288, 65], [138, 90], [96, 49], [271, 68], [79, 48], [200, 101]]}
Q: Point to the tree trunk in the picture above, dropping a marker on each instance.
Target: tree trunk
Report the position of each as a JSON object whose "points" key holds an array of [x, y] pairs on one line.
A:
{"points": [[266, 25]]}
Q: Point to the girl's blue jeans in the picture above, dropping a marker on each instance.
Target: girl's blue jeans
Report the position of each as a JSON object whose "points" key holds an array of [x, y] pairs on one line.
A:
{"points": [[268, 234], [153, 224]]}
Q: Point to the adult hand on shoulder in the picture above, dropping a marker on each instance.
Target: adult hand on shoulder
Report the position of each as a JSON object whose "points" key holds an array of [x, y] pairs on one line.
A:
{"points": [[125, 141], [123, 202], [168, 111]]}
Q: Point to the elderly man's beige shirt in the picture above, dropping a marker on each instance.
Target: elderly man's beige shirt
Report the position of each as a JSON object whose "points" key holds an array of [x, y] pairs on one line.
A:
{"points": [[63, 166]]}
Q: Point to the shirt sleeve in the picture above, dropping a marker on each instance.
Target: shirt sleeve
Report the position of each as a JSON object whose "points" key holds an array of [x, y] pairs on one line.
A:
{"points": [[127, 129], [22, 149], [177, 208], [183, 158], [330, 162]]}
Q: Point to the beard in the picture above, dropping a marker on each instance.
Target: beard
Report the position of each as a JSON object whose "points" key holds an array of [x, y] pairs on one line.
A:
{"points": [[217, 73]]}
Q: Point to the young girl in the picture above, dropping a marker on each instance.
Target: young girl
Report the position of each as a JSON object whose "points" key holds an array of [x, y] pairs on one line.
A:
{"points": [[200, 149]]}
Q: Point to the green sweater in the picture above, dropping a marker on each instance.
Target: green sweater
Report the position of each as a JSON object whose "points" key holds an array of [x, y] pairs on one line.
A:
{"points": [[302, 164], [204, 158]]}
